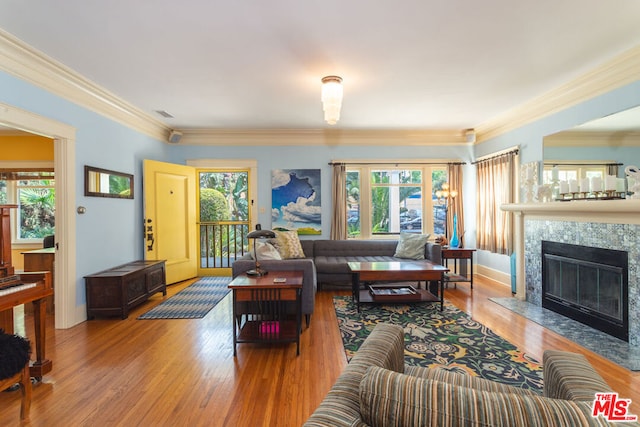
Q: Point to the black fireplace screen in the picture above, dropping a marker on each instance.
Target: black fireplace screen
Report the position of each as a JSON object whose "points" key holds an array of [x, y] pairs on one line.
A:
{"points": [[587, 284]]}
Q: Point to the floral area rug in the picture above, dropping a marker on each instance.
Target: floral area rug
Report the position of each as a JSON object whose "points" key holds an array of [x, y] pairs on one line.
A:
{"points": [[448, 339]]}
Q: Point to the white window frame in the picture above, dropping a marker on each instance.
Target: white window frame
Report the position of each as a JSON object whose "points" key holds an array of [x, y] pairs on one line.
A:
{"points": [[12, 199], [365, 207]]}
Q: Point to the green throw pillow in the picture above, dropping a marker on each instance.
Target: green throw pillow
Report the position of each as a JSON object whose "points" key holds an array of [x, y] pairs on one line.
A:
{"points": [[288, 244], [411, 246]]}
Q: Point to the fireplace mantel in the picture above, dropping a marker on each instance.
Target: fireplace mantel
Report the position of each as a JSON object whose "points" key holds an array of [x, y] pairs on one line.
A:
{"points": [[620, 211], [609, 224]]}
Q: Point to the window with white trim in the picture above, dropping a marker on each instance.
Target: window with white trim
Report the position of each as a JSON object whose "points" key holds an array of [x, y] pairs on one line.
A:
{"points": [[385, 200], [34, 193]]}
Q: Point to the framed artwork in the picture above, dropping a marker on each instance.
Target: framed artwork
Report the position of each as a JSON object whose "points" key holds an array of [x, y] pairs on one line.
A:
{"points": [[295, 200]]}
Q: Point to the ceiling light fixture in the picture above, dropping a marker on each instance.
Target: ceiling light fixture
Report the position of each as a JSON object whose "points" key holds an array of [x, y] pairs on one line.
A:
{"points": [[331, 98]]}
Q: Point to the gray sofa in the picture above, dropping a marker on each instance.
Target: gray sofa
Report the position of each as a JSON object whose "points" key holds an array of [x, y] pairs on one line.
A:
{"points": [[325, 263], [377, 388]]}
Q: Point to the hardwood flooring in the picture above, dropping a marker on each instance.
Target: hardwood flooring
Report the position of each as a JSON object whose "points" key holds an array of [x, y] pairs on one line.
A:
{"points": [[112, 372]]}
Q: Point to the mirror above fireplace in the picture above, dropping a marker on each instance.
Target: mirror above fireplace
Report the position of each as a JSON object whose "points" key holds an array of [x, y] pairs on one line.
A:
{"points": [[611, 139]]}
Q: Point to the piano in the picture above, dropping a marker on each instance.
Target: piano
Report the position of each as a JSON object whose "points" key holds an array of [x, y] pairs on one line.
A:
{"points": [[22, 288]]}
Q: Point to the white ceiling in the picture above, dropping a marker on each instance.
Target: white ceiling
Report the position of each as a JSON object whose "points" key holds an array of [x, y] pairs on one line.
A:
{"points": [[256, 64]]}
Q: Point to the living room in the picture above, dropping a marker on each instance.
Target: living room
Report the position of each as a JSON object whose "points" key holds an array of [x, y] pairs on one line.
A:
{"points": [[111, 135]]}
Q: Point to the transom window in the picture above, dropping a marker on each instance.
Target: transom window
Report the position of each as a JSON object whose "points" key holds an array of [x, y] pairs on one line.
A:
{"points": [[385, 200]]}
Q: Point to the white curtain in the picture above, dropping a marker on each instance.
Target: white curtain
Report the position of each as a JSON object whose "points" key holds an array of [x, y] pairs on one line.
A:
{"points": [[496, 177]]}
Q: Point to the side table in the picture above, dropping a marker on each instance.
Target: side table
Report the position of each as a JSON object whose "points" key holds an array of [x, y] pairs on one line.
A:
{"points": [[261, 308], [462, 264]]}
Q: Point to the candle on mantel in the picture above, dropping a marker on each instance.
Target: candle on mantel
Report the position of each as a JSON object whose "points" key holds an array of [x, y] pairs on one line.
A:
{"points": [[620, 185], [529, 173], [584, 185], [573, 186], [609, 183], [596, 184], [554, 173], [564, 187]]}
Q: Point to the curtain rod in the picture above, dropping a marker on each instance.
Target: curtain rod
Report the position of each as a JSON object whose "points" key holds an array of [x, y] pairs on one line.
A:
{"points": [[496, 156], [398, 163], [581, 164]]}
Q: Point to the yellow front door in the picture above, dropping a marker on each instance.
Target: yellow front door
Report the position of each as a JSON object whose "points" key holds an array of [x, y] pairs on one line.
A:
{"points": [[170, 218]]}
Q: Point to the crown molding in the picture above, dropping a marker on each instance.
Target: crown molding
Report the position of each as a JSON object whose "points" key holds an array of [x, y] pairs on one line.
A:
{"points": [[593, 139], [21, 60], [621, 70], [322, 137]]}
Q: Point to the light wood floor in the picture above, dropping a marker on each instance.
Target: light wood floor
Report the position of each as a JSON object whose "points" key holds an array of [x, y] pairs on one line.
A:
{"points": [[110, 372]]}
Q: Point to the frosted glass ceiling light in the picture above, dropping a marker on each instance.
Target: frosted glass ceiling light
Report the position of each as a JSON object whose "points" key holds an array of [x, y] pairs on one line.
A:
{"points": [[331, 98]]}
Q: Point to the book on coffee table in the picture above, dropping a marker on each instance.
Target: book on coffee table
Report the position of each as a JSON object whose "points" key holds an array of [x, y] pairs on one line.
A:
{"points": [[394, 293]]}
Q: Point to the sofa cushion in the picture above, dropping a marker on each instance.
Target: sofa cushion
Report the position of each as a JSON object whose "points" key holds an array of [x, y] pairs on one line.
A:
{"points": [[288, 244], [411, 246], [338, 264], [389, 398], [570, 376], [354, 247]]}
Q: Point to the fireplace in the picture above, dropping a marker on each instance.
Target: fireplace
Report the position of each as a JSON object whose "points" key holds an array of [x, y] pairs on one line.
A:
{"points": [[587, 284]]}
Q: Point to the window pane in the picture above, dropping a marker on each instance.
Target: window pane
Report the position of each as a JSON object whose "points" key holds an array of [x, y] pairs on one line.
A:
{"points": [[438, 177], [37, 212], [410, 211], [3, 192], [353, 204], [380, 210], [223, 196]]}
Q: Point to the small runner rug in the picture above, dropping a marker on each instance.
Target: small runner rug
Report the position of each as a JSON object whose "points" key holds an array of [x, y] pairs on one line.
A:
{"points": [[193, 302], [448, 339]]}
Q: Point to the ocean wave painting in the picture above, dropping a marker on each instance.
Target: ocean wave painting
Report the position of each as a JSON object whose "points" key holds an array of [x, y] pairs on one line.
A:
{"points": [[295, 200]]}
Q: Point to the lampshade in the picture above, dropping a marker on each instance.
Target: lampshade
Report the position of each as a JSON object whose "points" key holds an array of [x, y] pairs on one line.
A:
{"points": [[261, 234], [331, 98]]}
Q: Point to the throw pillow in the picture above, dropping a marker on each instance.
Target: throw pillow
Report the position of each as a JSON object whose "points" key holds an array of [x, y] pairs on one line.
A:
{"points": [[265, 251], [411, 246], [288, 244]]}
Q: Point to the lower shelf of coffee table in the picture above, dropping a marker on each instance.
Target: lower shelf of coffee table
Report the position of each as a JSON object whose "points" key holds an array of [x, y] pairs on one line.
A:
{"points": [[425, 296]]}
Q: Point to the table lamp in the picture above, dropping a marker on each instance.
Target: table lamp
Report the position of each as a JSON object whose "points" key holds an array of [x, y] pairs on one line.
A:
{"points": [[255, 235]]}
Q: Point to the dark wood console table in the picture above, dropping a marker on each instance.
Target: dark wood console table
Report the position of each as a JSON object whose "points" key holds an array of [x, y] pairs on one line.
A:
{"points": [[462, 264], [115, 291]]}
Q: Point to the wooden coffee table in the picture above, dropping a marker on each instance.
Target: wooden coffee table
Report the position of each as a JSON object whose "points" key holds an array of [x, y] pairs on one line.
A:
{"points": [[396, 271], [260, 308]]}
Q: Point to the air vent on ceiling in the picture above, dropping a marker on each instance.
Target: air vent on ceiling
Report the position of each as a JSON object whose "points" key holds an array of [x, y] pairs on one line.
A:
{"points": [[164, 114]]}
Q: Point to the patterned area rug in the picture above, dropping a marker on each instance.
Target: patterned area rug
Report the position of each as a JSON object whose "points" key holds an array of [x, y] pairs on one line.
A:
{"points": [[449, 339], [193, 302]]}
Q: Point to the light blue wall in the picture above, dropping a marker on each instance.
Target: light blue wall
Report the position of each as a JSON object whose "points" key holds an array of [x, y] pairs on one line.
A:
{"points": [[530, 136], [110, 233], [311, 157]]}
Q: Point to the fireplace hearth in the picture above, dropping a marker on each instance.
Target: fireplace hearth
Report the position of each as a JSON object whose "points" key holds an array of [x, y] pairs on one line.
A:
{"points": [[587, 284]]}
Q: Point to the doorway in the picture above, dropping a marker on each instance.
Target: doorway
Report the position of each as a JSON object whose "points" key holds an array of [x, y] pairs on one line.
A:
{"points": [[63, 135], [223, 220], [221, 240]]}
